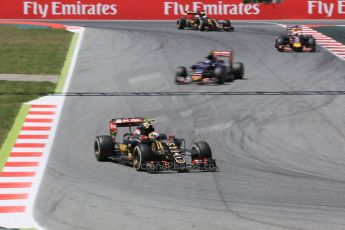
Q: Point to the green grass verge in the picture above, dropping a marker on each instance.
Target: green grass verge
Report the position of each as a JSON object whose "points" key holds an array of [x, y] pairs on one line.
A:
{"points": [[67, 64], [335, 32], [12, 136], [12, 95], [32, 51], [28, 50]]}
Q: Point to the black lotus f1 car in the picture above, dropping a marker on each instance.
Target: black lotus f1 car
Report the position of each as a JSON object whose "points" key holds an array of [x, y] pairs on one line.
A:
{"points": [[198, 20], [151, 153]]}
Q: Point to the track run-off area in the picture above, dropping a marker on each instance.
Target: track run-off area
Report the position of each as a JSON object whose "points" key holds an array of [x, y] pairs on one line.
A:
{"points": [[278, 135]]}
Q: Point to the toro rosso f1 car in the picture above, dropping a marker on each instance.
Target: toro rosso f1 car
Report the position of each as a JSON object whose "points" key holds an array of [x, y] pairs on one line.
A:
{"points": [[218, 68], [198, 20], [294, 40], [152, 152]]}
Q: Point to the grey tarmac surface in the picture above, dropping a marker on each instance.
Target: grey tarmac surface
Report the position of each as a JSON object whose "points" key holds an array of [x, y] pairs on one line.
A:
{"points": [[281, 157]]}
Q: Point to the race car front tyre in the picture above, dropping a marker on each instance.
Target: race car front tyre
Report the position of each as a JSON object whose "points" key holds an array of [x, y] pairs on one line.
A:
{"points": [[280, 42], [181, 71], [311, 43], [201, 150], [103, 147], [238, 70], [181, 23], [142, 153], [181, 168], [181, 74], [220, 74], [202, 25], [227, 25]]}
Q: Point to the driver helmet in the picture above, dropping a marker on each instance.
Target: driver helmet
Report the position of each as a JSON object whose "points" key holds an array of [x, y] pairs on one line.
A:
{"points": [[211, 57], [295, 33], [296, 30], [147, 125]]}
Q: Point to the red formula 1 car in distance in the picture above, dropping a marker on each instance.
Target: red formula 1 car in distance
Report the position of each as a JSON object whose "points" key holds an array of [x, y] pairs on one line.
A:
{"points": [[295, 40], [218, 68], [198, 20], [152, 151]]}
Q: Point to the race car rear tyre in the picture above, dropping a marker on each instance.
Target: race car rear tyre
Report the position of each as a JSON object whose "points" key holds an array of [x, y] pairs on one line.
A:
{"points": [[202, 25], [142, 153], [238, 70], [220, 74], [181, 23], [104, 148], [201, 150]]}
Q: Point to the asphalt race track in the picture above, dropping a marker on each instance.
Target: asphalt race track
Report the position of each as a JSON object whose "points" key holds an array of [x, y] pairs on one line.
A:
{"points": [[281, 157]]}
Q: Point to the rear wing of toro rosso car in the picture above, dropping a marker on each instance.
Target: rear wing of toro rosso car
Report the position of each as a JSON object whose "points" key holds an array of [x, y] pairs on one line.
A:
{"points": [[227, 54], [222, 53]]}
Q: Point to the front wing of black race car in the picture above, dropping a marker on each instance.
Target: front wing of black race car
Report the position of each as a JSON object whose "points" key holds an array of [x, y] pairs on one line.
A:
{"points": [[206, 164], [155, 154]]}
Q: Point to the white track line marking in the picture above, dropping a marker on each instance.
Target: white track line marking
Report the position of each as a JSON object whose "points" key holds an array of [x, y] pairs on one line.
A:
{"points": [[23, 159], [15, 190], [19, 150], [34, 132], [14, 179], [20, 169], [21, 141], [213, 128], [40, 116], [43, 109], [143, 78], [21, 202], [186, 113]]}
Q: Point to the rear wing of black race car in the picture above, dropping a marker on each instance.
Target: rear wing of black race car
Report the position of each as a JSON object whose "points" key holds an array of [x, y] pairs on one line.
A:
{"points": [[127, 122], [195, 12], [123, 122]]}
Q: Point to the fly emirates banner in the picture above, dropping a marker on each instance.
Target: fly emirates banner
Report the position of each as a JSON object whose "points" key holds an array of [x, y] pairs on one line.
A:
{"points": [[169, 9]]}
